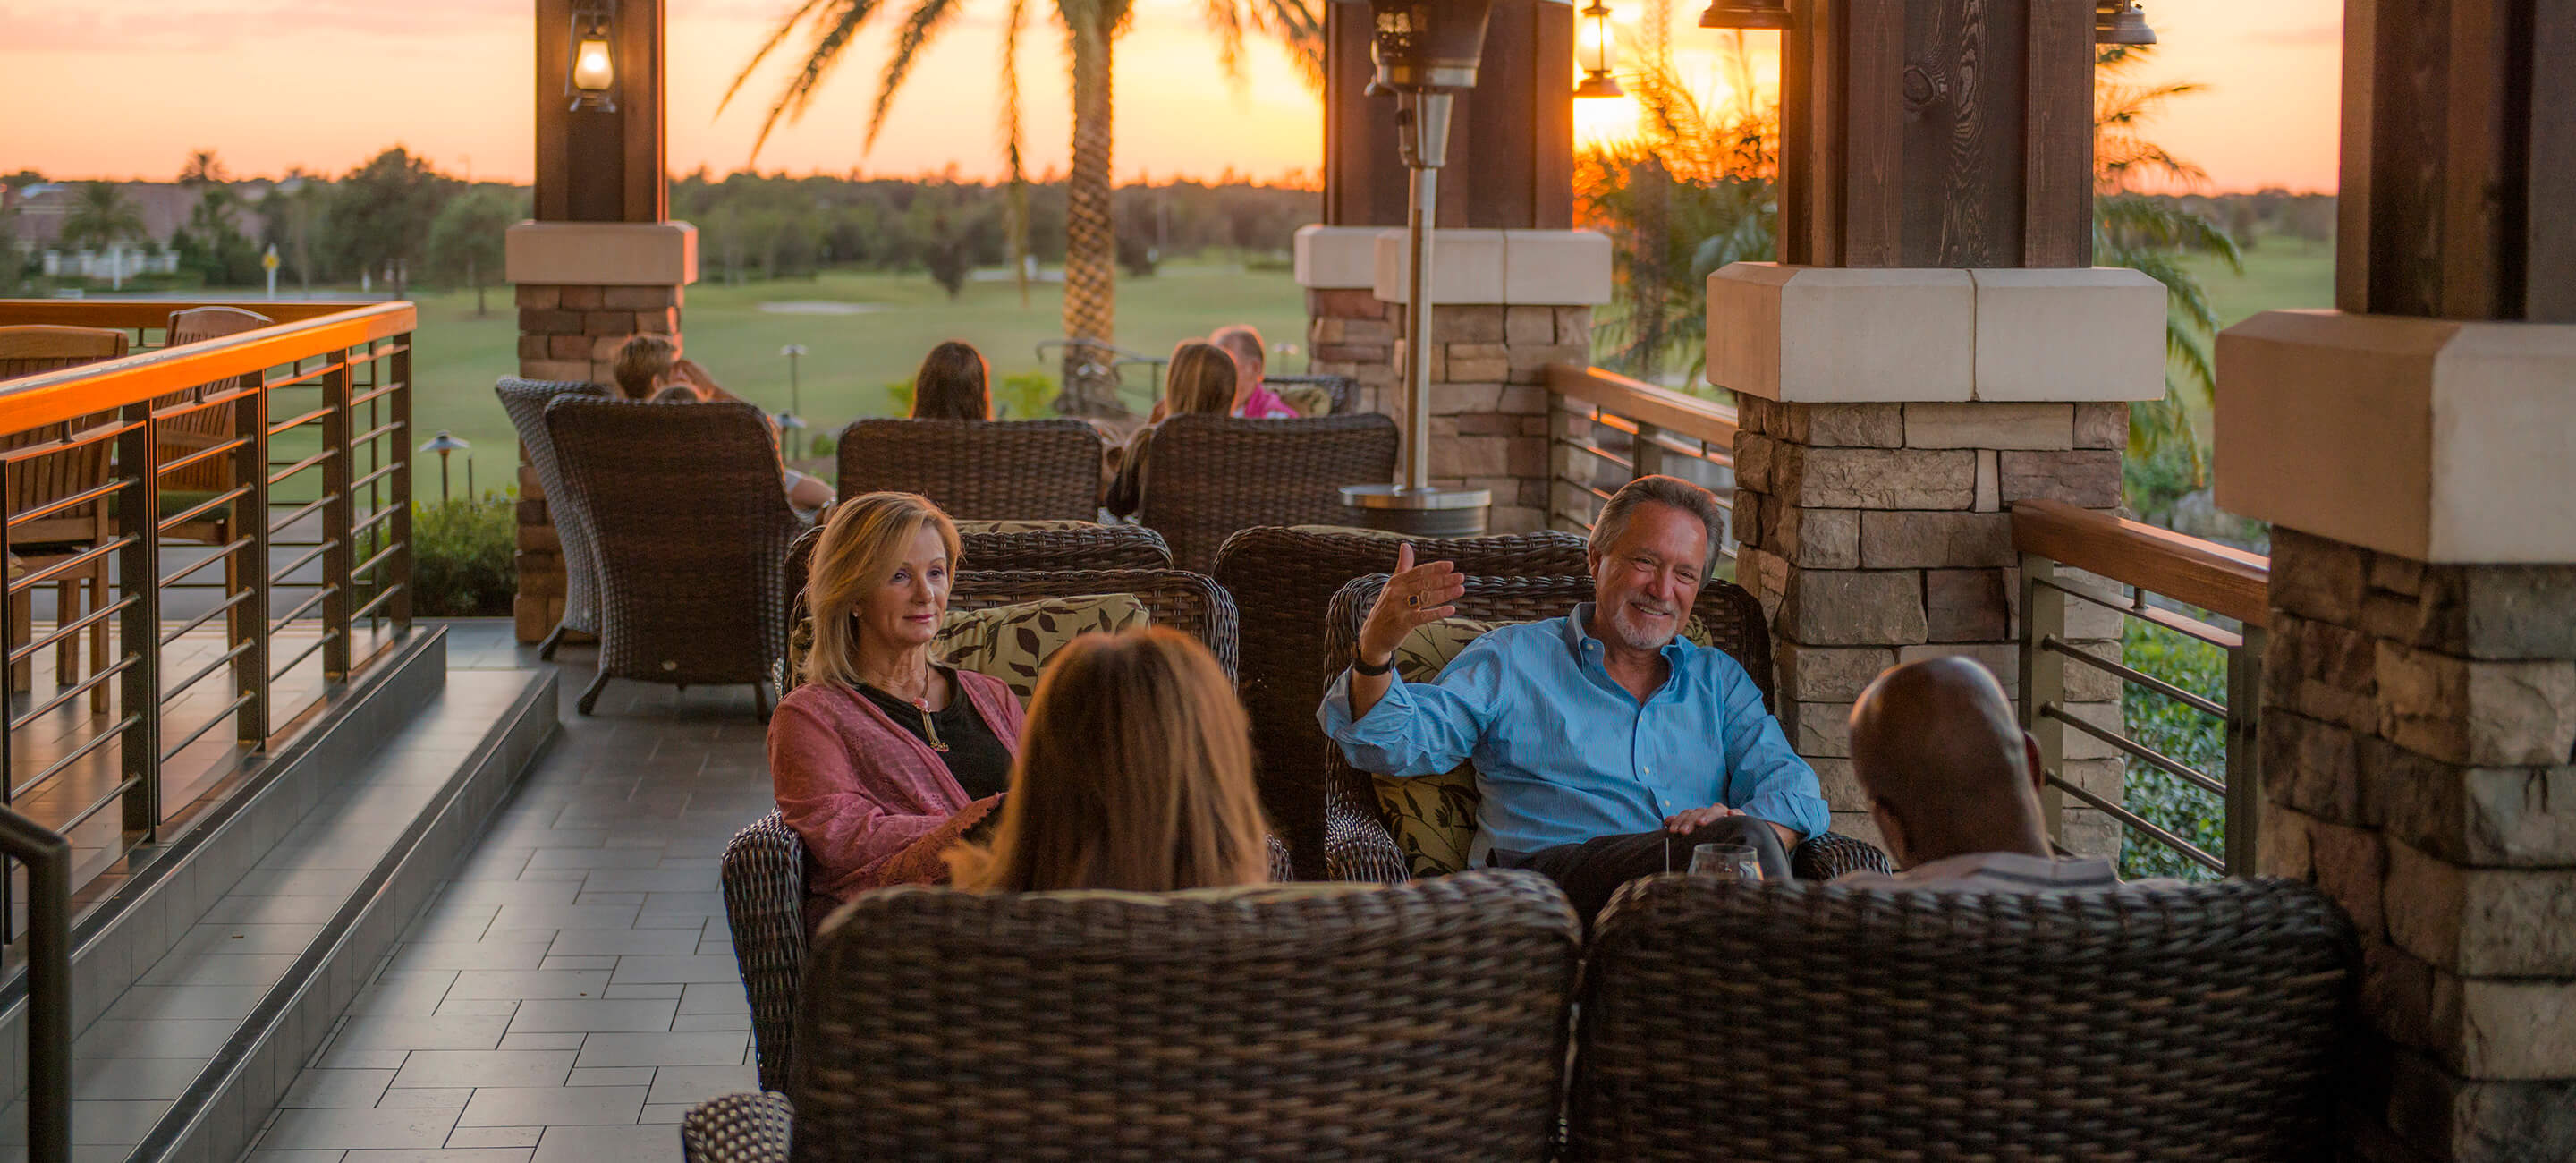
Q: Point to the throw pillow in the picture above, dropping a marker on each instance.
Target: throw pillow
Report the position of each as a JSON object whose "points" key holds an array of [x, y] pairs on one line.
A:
{"points": [[1012, 643], [1433, 817], [1310, 400]]}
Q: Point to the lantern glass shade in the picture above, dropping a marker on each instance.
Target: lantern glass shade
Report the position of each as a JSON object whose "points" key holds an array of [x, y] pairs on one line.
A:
{"points": [[2121, 22], [1598, 44], [592, 70], [591, 81], [1756, 14]]}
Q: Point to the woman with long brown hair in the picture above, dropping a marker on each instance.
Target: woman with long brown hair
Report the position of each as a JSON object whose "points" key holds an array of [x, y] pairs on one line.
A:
{"points": [[1201, 379], [1134, 773], [954, 384], [884, 757]]}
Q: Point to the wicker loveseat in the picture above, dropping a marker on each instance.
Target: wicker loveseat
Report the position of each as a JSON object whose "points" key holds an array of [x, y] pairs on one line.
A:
{"points": [[1208, 476], [1283, 581], [1802, 1021], [1730, 618], [1294, 1022], [978, 469], [763, 871]]}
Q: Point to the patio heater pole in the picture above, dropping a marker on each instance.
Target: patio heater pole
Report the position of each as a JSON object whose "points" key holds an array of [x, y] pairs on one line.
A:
{"points": [[1427, 52]]}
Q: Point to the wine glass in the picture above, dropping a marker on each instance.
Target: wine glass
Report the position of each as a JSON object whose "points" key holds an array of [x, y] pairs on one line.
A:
{"points": [[1736, 862]]}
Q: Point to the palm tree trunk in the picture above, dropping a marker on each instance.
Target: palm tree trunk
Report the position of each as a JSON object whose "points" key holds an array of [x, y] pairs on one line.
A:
{"points": [[1091, 240]]}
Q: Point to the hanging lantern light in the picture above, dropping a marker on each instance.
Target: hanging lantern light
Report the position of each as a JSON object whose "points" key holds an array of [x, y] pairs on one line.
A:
{"points": [[1760, 14], [1598, 54], [2121, 22], [592, 79]]}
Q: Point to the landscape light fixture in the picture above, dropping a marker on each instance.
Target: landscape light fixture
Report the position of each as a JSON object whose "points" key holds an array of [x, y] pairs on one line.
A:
{"points": [[2121, 22], [1747, 14], [443, 444], [592, 81], [1600, 50]]}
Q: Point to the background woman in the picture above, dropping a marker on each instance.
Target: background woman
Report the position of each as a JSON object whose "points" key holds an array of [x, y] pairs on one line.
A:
{"points": [[954, 384], [1134, 772], [883, 758], [1200, 379]]}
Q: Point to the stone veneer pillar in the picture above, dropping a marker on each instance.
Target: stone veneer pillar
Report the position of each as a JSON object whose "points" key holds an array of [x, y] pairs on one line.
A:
{"points": [[2419, 710], [1889, 419], [584, 289], [1507, 303]]}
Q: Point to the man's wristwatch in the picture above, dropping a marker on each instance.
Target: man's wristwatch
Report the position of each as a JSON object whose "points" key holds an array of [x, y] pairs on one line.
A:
{"points": [[1361, 665]]}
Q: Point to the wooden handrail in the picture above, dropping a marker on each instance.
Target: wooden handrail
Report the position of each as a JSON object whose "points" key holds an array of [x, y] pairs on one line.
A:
{"points": [[57, 396], [2201, 573], [1645, 403]]}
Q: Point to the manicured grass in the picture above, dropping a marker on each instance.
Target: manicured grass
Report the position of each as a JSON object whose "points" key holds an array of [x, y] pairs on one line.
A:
{"points": [[2279, 272], [849, 359]]}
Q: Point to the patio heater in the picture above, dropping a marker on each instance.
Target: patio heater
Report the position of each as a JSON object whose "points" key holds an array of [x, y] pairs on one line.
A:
{"points": [[1426, 53]]}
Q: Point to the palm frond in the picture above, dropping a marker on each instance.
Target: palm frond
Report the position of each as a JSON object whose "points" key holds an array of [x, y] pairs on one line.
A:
{"points": [[1225, 22], [921, 26], [834, 27]]}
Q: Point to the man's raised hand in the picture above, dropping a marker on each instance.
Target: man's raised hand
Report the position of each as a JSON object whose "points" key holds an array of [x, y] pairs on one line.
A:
{"points": [[1414, 596]]}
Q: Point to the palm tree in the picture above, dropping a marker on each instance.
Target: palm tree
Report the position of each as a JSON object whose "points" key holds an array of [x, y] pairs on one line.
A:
{"points": [[101, 217], [2155, 236], [203, 168], [1091, 30]]}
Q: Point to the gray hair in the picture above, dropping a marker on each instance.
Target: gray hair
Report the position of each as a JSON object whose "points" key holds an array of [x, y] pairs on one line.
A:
{"points": [[1663, 490]]}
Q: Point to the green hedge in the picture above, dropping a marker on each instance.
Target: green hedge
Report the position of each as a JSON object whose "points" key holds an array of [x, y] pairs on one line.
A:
{"points": [[462, 551], [2187, 735]]}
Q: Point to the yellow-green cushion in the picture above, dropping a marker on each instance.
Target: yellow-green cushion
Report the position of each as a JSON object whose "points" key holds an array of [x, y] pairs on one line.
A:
{"points": [[1012, 643], [1023, 526], [1433, 816], [1310, 400]]}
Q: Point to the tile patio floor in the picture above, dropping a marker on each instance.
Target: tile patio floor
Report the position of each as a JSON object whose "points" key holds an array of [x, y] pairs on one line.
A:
{"points": [[572, 990]]}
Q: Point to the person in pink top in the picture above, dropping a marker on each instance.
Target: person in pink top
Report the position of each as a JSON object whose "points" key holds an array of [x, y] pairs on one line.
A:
{"points": [[1253, 399], [883, 758]]}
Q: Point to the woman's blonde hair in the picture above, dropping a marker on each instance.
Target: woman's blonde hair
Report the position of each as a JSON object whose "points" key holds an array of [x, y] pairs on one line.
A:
{"points": [[1134, 772], [1200, 379], [861, 547]]}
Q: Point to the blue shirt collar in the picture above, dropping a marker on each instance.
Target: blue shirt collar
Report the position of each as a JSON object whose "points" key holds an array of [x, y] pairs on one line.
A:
{"points": [[1580, 639]]}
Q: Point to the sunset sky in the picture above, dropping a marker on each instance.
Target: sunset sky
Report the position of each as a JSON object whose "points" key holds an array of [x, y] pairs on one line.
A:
{"points": [[125, 88]]}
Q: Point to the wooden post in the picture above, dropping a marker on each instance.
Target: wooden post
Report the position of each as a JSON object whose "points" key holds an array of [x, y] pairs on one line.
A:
{"points": [[602, 165]]}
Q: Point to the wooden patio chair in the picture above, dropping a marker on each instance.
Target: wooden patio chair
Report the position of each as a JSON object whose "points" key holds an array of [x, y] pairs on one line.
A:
{"points": [[1729, 619], [1283, 582], [49, 540], [978, 470], [192, 486], [1805, 1021], [1208, 476], [692, 528], [1276, 1022]]}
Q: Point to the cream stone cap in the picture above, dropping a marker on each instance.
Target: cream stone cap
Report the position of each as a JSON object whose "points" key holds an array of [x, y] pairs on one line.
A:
{"points": [[1533, 268], [604, 254], [2446, 442], [1902, 334]]}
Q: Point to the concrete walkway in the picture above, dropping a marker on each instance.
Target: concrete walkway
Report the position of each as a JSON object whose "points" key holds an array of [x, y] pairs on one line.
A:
{"points": [[572, 991]]}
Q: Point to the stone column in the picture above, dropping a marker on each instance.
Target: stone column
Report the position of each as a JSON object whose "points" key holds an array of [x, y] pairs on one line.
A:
{"points": [[1890, 419], [584, 289], [1508, 303], [2419, 717]]}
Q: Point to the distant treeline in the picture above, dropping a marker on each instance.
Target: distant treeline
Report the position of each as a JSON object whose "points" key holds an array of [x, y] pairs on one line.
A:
{"points": [[2273, 213], [398, 220]]}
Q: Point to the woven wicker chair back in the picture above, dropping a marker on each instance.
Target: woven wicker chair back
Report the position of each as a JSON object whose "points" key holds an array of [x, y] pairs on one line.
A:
{"points": [[1799, 1020], [1208, 476], [1423, 1021], [692, 528], [764, 894], [978, 470], [525, 401], [26, 350], [1283, 582]]}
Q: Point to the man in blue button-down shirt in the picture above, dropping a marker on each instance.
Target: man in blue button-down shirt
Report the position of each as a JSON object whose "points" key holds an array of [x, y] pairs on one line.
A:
{"points": [[1606, 746]]}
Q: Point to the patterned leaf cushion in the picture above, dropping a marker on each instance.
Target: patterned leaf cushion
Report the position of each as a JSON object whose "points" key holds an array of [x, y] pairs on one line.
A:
{"points": [[1310, 400], [1434, 816], [1012, 643], [1049, 526]]}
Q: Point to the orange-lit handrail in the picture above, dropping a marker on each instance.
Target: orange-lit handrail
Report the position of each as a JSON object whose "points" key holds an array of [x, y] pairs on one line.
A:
{"points": [[2214, 577], [58, 396], [1681, 415]]}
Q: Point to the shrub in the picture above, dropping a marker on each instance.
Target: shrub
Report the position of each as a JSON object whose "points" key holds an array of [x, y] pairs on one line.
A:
{"points": [[462, 551], [820, 444], [1027, 396], [2184, 734]]}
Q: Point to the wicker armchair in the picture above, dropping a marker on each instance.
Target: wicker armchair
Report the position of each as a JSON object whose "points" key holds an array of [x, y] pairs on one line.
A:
{"points": [[978, 470], [692, 531], [525, 401], [1798, 1021], [1423, 1021], [1732, 618], [1208, 476], [1283, 582]]}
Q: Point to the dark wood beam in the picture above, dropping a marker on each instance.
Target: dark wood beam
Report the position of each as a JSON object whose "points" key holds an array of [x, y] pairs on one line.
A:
{"points": [[602, 166]]}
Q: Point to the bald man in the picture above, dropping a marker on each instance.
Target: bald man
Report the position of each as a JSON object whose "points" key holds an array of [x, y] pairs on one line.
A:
{"points": [[1953, 782]]}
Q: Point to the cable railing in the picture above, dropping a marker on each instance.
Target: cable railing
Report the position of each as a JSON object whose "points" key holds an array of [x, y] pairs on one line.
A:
{"points": [[224, 528], [1608, 430], [2227, 587]]}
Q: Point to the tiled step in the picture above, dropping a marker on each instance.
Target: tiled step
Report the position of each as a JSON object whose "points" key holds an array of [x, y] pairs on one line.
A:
{"points": [[243, 960]]}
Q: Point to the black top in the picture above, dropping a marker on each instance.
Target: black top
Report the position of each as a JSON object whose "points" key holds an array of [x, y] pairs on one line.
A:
{"points": [[976, 757]]}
